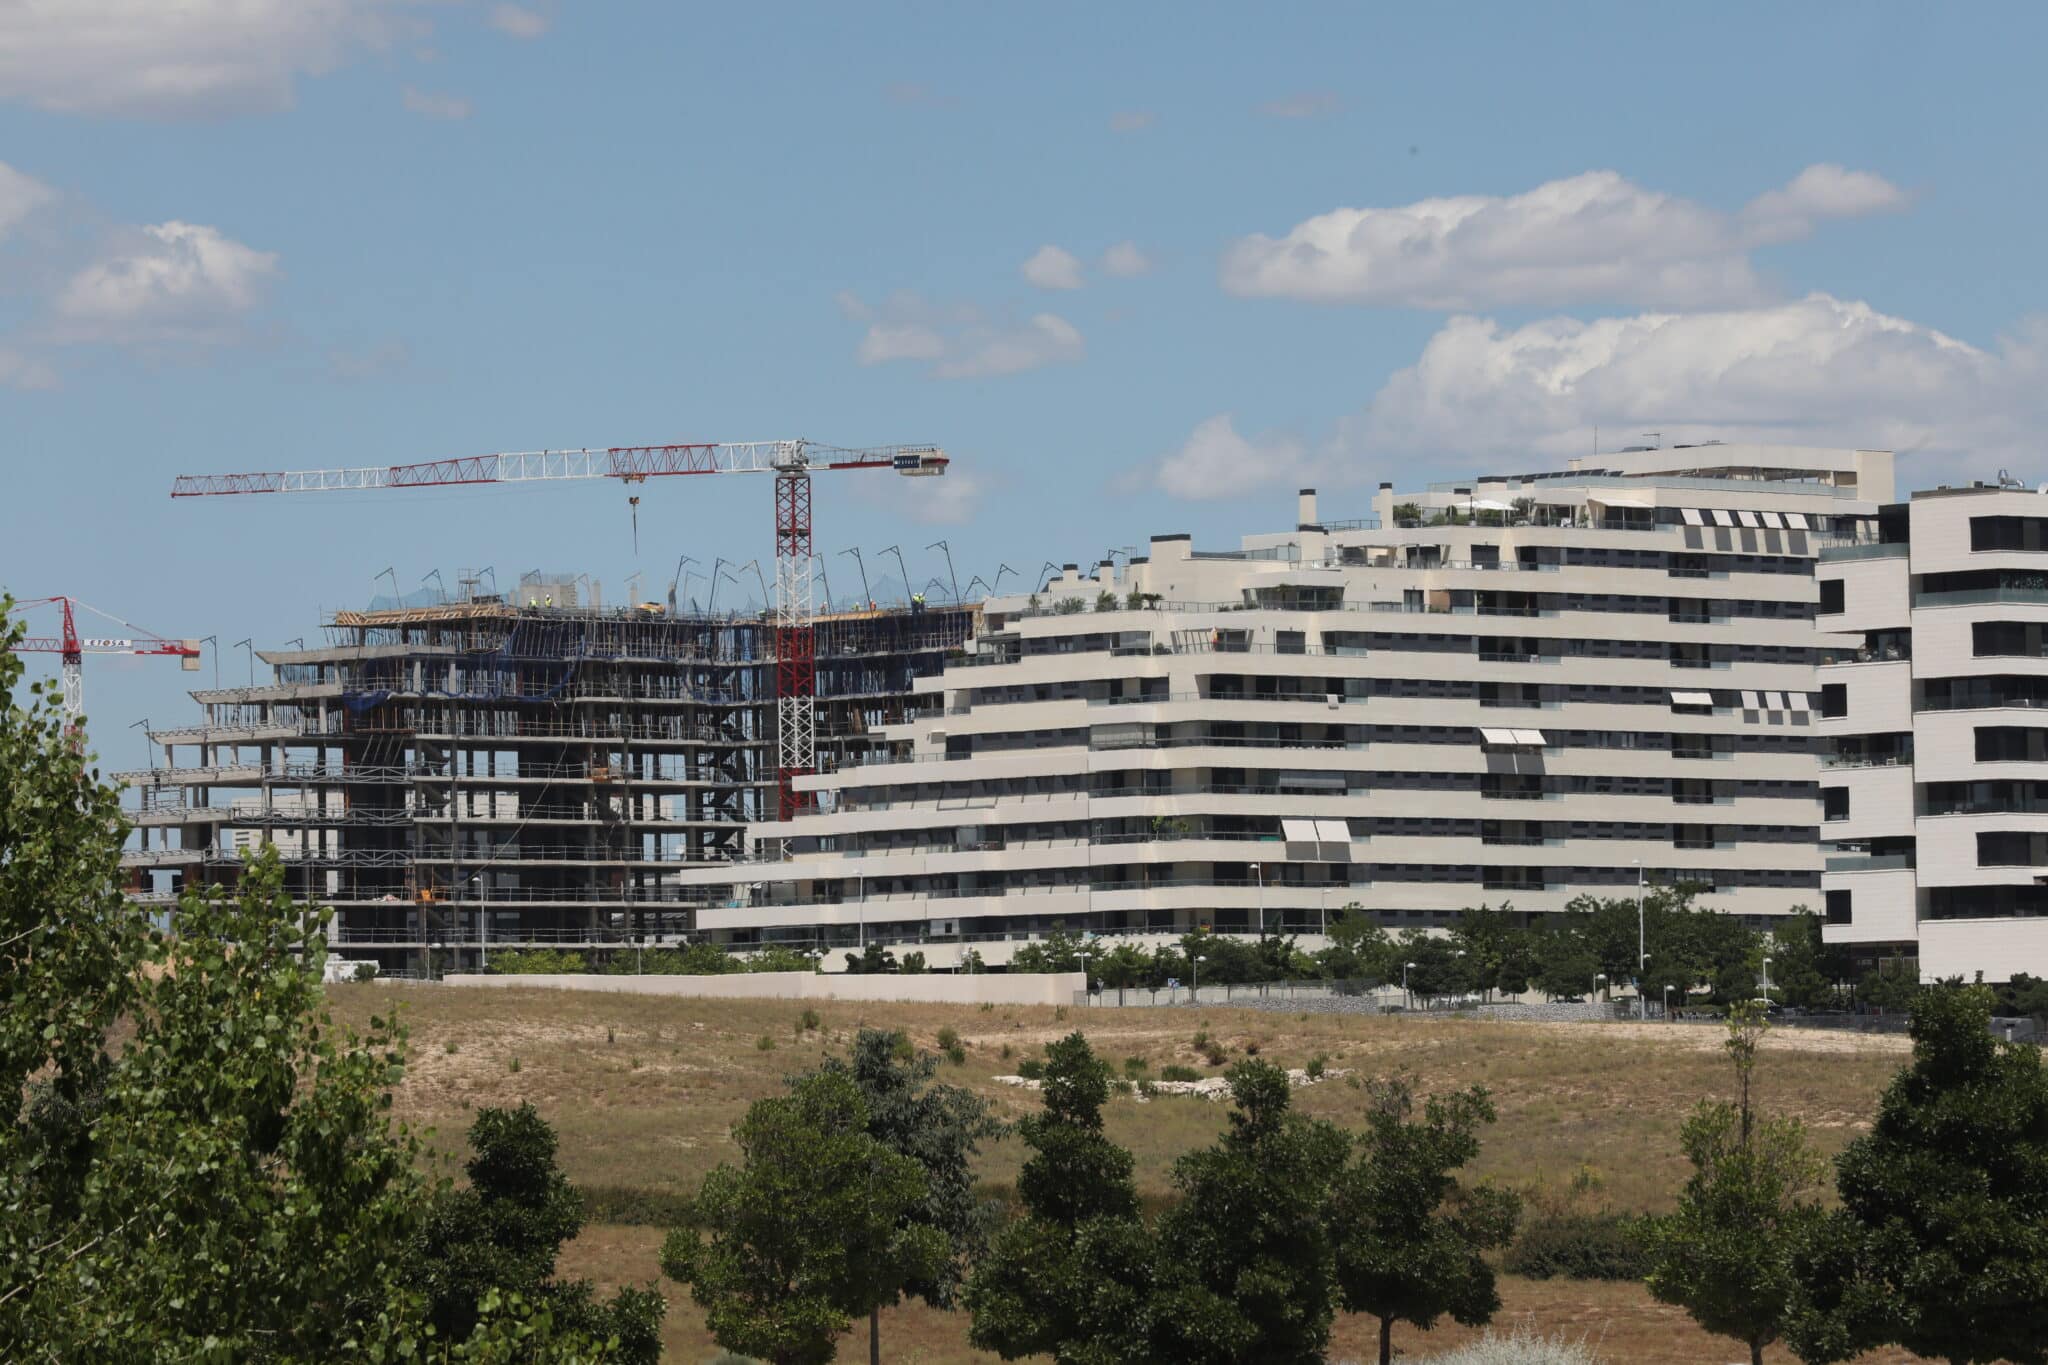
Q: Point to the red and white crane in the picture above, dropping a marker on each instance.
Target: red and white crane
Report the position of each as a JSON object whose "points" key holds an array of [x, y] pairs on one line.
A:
{"points": [[74, 647], [791, 462]]}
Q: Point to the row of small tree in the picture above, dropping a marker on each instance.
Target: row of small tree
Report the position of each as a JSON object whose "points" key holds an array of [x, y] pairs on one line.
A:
{"points": [[855, 1190], [1703, 956]]}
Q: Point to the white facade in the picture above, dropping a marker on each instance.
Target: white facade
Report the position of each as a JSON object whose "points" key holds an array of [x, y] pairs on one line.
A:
{"points": [[1513, 690], [1936, 792]]}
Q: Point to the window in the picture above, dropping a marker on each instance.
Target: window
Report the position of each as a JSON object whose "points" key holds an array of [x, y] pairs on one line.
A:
{"points": [[2012, 848], [2011, 744], [1838, 907], [1834, 700], [2022, 639], [2008, 533], [1830, 596], [1834, 803]]}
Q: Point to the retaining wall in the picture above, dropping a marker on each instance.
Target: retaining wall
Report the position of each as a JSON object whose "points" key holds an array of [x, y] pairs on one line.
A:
{"points": [[979, 988]]}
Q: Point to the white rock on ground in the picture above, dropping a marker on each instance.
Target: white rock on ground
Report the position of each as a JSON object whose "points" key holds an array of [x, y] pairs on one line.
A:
{"points": [[1209, 1087]]}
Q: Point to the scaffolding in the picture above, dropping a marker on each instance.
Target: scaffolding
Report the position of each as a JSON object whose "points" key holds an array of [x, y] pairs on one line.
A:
{"points": [[484, 773]]}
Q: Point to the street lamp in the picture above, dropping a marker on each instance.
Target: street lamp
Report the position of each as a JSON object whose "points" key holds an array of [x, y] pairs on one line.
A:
{"points": [[860, 898], [1407, 999], [1195, 961], [1598, 977], [1323, 910], [483, 918], [1667, 1004], [1260, 873], [1767, 980]]}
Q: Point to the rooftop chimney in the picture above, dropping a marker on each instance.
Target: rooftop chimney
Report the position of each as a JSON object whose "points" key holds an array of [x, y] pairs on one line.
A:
{"points": [[1305, 513]]}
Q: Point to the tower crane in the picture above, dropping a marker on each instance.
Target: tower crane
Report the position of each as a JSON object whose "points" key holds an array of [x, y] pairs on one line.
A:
{"points": [[74, 648], [790, 462]]}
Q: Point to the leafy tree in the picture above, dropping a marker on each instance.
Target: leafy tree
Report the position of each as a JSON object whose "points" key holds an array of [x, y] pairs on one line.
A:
{"points": [[1941, 1243], [1072, 1277], [1359, 949], [1726, 1255], [2025, 995], [1499, 951], [940, 1127], [1408, 1236], [1804, 967], [1439, 969], [1245, 1258], [1105, 600], [504, 1231], [873, 960], [812, 1230], [1058, 951], [226, 1184]]}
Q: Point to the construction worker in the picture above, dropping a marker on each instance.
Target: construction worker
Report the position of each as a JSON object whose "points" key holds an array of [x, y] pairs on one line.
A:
{"points": [[916, 603]]}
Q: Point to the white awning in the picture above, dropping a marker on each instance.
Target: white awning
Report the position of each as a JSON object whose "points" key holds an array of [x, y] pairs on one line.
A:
{"points": [[1772, 520], [1723, 517], [1692, 516], [1751, 702], [1487, 505], [1746, 517], [1488, 736], [1533, 738], [1622, 499], [1332, 832], [1796, 520], [1798, 700], [1692, 698], [1299, 831]]}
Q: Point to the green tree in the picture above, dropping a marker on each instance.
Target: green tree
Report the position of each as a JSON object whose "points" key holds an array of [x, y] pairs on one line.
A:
{"points": [[1726, 1255], [1408, 1235], [1072, 1277], [1941, 1243], [1359, 949], [504, 1231], [1499, 950], [940, 1127], [811, 1230], [873, 960], [229, 1182], [1245, 1258]]}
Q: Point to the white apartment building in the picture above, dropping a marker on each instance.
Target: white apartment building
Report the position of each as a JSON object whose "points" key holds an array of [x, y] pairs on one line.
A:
{"points": [[1517, 689], [1935, 793]]}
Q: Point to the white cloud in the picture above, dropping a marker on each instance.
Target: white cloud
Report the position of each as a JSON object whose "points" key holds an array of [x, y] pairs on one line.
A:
{"points": [[1816, 371], [1125, 260], [1052, 268], [1132, 120], [182, 58], [19, 371], [436, 105], [1303, 104], [1592, 237], [171, 282], [20, 196], [1217, 462], [519, 23], [959, 341]]}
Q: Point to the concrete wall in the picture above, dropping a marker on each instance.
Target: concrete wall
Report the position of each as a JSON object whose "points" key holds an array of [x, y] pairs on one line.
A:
{"points": [[1043, 988]]}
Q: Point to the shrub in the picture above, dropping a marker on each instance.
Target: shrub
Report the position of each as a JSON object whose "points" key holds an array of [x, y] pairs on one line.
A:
{"points": [[765, 1043], [451, 1047], [1031, 1069], [1579, 1246], [1519, 1347], [635, 1206], [957, 1055], [366, 971], [900, 1048], [513, 1065], [1317, 1065], [1134, 1067], [1177, 1072], [1120, 1086], [1007, 1051], [948, 1039], [611, 1034]]}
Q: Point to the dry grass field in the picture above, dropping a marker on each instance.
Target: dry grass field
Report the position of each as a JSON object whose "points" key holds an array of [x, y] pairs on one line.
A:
{"points": [[644, 1092]]}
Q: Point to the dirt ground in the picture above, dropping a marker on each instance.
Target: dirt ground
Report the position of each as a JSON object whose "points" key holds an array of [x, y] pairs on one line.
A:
{"points": [[644, 1092]]}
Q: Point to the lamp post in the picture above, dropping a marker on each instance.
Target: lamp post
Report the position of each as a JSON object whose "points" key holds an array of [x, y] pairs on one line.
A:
{"points": [[1323, 910], [1667, 1004], [1195, 961], [1598, 977], [860, 900], [1767, 981], [1260, 873], [1408, 1000]]}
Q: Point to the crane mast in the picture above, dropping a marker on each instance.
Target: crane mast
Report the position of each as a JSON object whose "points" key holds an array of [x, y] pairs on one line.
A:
{"points": [[791, 463]]}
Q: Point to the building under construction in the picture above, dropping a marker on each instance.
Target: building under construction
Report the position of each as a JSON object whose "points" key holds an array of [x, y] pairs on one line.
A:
{"points": [[486, 773]]}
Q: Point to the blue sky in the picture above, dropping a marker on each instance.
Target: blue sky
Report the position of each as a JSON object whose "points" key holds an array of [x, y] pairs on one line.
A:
{"points": [[294, 233]]}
